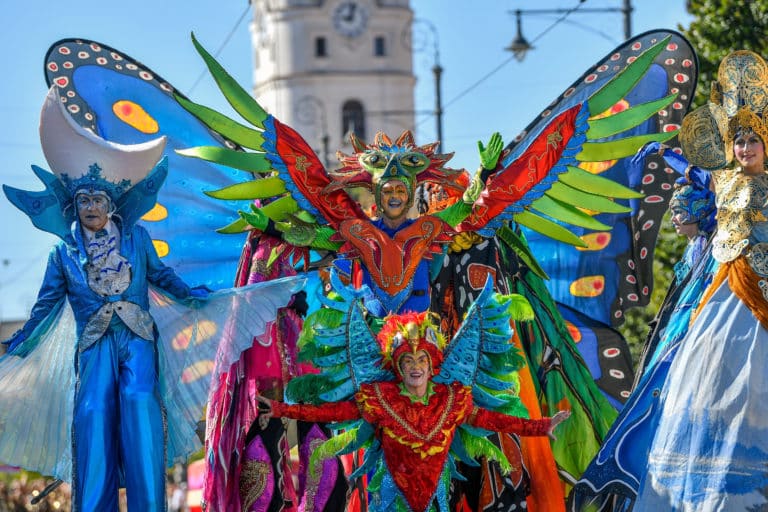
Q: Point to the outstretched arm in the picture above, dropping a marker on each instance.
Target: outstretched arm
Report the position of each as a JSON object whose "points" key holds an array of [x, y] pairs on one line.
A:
{"points": [[499, 422], [52, 291], [489, 158], [697, 176], [328, 413]]}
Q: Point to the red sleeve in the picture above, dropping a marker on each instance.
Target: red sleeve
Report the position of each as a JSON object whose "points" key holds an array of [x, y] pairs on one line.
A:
{"points": [[499, 422], [508, 185], [326, 413]]}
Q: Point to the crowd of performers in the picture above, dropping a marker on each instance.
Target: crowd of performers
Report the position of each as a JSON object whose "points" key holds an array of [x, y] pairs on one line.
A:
{"points": [[418, 382]]}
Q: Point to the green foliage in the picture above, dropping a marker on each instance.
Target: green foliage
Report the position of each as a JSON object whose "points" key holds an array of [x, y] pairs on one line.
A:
{"points": [[720, 27], [669, 249]]}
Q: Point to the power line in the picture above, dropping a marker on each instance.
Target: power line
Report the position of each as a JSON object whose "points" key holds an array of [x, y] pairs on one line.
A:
{"points": [[506, 61], [221, 48]]}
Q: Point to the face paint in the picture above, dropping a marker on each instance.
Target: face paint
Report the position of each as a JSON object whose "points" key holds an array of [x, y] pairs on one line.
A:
{"points": [[93, 210], [416, 369], [394, 200]]}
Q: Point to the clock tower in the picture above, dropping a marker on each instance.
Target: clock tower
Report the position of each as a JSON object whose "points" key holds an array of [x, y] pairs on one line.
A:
{"points": [[330, 67]]}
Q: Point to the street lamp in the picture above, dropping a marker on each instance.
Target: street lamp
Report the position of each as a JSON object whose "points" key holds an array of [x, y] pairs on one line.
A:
{"points": [[437, 72], [520, 45]]}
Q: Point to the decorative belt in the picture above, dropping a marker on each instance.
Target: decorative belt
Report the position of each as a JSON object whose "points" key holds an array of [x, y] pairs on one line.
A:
{"points": [[757, 256]]}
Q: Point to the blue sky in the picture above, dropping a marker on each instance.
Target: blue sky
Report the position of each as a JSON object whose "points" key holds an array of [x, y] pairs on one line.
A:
{"points": [[471, 43]]}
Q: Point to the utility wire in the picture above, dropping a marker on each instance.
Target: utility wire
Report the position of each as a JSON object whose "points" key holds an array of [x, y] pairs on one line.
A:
{"points": [[221, 48], [506, 61]]}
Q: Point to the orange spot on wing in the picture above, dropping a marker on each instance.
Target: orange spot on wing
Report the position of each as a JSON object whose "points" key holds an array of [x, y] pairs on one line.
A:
{"points": [[161, 247], [198, 370], [573, 331], [595, 241], [588, 286], [134, 115], [157, 213]]}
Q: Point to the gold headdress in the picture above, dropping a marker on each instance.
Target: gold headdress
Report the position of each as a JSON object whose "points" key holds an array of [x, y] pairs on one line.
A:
{"points": [[737, 102]]}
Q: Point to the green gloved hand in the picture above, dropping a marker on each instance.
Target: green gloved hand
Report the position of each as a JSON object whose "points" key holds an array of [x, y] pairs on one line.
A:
{"points": [[474, 189], [489, 155], [255, 218], [297, 231]]}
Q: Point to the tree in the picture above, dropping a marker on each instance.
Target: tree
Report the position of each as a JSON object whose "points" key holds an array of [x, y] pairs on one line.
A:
{"points": [[720, 27]]}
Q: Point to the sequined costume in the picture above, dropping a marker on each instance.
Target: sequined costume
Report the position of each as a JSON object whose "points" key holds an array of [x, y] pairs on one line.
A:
{"points": [[411, 440], [698, 440], [98, 387], [415, 437]]}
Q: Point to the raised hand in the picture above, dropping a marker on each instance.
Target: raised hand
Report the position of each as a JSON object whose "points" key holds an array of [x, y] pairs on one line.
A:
{"points": [[557, 419], [489, 155]]}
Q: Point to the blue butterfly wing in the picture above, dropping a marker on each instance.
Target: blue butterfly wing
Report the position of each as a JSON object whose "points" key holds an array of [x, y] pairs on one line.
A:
{"points": [[123, 101], [616, 273]]}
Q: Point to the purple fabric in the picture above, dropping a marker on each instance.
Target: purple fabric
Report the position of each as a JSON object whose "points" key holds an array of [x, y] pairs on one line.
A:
{"points": [[257, 480], [315, 493]]}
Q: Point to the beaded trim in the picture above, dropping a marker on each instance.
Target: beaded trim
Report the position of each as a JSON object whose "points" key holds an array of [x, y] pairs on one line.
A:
{"points": [[399, 419], [253, 481]]}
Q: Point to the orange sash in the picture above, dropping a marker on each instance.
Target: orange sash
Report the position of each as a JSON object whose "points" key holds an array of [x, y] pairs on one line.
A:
{"points": [[743, 282]]}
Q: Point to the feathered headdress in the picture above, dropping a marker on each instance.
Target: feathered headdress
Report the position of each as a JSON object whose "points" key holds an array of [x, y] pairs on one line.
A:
{"points": [[408, 333], [372, 165]]}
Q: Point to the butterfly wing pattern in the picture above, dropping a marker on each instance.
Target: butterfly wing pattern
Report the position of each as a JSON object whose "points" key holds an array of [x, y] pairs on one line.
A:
{"points": [[123, 101]]}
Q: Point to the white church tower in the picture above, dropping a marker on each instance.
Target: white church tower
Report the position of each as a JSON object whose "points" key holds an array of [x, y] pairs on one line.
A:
{"points": [[328, 67]]}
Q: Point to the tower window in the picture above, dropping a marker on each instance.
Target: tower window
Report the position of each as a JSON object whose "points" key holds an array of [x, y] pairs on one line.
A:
{"points": [[321, 49], [379, 46], [353, 119]]}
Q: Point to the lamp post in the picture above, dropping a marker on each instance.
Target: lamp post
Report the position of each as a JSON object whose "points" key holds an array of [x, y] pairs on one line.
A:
{"points": [[520, 45], [437, 69], [308, 109]]}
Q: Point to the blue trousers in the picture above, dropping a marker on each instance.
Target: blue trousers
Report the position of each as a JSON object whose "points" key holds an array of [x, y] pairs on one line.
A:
{"points": [[118, 425]]}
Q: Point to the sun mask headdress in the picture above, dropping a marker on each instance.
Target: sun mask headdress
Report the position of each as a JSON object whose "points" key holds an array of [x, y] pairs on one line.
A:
{"points": [[370, 166], [83, 163], [737, 105]]}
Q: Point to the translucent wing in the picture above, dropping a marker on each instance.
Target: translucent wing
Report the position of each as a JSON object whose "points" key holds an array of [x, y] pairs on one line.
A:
{"points": [[123, 101]]}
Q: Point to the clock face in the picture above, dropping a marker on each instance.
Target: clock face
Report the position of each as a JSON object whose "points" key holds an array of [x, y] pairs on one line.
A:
{"points": [[350, 18]]}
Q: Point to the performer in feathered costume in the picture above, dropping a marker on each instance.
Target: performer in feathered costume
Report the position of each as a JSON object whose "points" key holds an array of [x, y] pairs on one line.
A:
{"points": [[694, 434], [106, 393], [541, 182], [413, 401]]}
